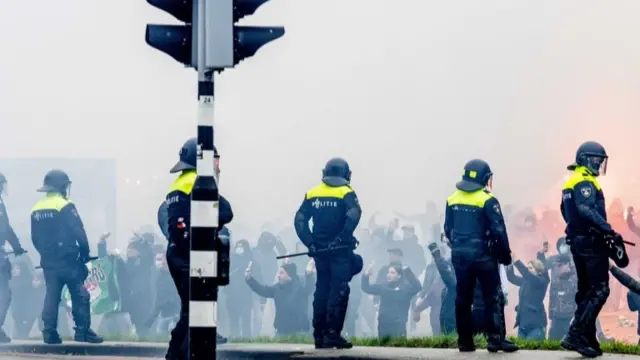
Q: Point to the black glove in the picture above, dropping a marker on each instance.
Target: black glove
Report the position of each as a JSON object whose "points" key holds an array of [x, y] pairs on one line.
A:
{"points": [[337, 241], [505, 259], [19, 251], [433, 247], [312, 250], [612, 238]]}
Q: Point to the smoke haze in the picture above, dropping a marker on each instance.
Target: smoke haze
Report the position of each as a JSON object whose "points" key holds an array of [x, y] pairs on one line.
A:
{"points": [[406, 91]]}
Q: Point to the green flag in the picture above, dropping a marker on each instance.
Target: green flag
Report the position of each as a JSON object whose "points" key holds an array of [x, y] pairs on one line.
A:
{"points": [[102, 285]]}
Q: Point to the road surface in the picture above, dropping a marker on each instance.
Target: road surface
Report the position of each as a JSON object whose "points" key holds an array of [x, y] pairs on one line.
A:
{"points": [[288, 351]]}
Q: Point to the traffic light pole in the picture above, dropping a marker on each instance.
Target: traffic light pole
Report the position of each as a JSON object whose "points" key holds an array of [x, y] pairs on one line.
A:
{"points": [[203, 292]]}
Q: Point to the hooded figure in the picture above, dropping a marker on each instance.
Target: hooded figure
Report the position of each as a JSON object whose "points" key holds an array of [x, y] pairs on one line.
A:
{"points": [[531, 319], [395, 299], [265, 255], [138, 301], [240, 298], [291, 297]]}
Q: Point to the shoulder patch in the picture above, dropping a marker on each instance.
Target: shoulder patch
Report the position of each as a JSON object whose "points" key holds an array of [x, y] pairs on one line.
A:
{"points": [[496, 208], [586, 191]]}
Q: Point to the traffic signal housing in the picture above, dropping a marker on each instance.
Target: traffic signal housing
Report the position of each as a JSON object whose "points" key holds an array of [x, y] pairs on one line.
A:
{"points": [[249, 39], [225, 43], [176, 41], [229, 44]]}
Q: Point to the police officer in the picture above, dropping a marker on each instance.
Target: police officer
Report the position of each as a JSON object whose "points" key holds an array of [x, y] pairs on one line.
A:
{"points": [[583, 209], [334, 208], [475, 227], [163, 223], [178, 203], [58, 235], [6, 234]]}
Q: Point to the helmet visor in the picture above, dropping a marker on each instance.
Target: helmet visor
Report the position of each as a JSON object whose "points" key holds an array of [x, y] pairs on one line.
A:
{"points": [[597, 164], [67, 191]]}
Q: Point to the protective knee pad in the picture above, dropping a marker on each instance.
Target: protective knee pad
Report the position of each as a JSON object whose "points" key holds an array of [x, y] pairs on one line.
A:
{"points": [[343, 293], [602, 292], [85, 298]]}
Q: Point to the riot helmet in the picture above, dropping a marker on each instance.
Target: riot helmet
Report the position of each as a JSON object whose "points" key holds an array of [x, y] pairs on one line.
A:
{"points": [[592, 156], [57, 181], [336, 172], [189, 156], [477, 175]]}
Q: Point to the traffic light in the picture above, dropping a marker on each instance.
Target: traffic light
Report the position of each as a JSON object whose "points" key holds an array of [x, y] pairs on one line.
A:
{"points": [[228, 44], [175, 40]]}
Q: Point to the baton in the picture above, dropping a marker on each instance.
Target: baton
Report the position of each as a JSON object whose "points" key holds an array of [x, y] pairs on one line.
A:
{"points": [[89, 259], [592, 230], [311, 254]]}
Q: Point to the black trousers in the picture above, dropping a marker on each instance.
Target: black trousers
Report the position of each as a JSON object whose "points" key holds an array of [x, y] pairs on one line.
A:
{"points": [[56, 278], [592, 266], [179, 270], [473, 267], [331, 298]]}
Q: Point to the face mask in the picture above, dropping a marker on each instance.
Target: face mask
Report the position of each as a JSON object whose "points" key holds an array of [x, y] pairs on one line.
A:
{"points": [[563, 249], [239, 251]]}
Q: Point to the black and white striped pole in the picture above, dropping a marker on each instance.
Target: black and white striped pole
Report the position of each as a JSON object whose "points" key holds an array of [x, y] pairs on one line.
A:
{"points": [[203, 295], [208, 41]]}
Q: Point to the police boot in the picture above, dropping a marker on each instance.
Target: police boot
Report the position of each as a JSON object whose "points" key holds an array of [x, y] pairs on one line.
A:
{"points": [[318, 339], [495, 344], [466, 345], [4, 339], [221, 340], [333, 340], [575, 342], [51, 337], [594, 344], [87, 336]]}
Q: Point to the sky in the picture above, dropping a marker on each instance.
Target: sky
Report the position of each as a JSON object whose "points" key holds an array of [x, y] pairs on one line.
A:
{"points": [[407, 91]]}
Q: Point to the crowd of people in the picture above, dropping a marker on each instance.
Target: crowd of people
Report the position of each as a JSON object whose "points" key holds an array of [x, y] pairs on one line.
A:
{"points": [[448, 268], [407, 289]]}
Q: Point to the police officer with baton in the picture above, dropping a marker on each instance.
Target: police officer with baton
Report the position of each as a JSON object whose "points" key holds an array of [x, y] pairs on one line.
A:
{"points": [[333, 206], [58, 235], [592, 241]]}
